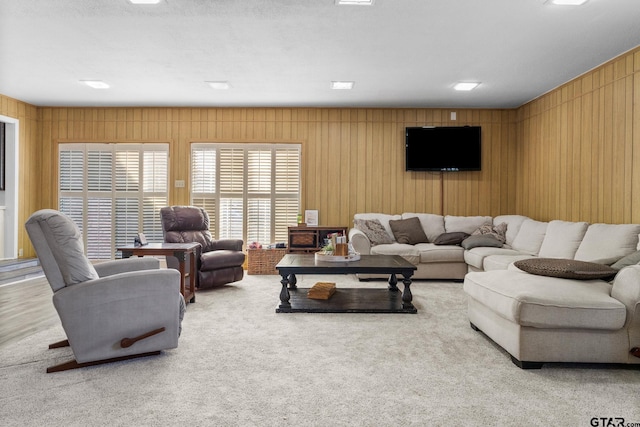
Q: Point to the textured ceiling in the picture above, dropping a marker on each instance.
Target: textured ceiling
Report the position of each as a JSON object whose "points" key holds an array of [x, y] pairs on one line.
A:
{"points": [[400, 53]]}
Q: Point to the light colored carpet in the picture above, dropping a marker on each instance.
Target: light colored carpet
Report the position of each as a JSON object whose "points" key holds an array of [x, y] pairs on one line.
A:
{"points": [[241, 364]]}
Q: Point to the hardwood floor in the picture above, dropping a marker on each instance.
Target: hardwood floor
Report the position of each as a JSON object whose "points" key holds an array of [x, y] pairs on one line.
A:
{"points": [[25, 308]]}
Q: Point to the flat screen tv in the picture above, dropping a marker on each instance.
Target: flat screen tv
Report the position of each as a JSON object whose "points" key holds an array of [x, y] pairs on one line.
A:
{"points": [[443, 148]]}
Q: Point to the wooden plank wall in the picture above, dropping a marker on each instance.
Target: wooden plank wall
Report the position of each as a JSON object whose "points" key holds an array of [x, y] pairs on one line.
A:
{"points": [[353, 159], [29, 180], [579, 147], [570, 154]]}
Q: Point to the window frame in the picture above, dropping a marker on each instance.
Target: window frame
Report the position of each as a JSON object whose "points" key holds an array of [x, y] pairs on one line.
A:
{"points": [[211, 201], [116, 195]]}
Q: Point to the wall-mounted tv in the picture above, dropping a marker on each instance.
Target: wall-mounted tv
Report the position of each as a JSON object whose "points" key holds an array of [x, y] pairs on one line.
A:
{"points": [[443, 148]]}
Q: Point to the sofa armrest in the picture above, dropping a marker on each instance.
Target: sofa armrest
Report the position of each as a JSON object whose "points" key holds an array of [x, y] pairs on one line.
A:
{"points": [[110, 268], [626, 289], [99, 313], [226, 244], [359, 241]]}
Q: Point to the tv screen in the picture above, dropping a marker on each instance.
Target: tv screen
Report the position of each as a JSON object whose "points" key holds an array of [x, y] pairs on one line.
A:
{"points": [[443, 148]]}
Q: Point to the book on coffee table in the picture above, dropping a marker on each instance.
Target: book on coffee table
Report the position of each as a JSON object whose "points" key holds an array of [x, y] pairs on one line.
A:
{"points": [[322, 290]]}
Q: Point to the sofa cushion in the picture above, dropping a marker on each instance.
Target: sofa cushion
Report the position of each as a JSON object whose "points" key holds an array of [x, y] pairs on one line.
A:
{"points": [[530, 236], [383, 218], [631, 259], [408, 252], [467, 224], [408, 231], [481, 240], [430, 253], [497, 231], [374, 230], [502, 261], [562, 239], [607, 243], [566, 268], [547, 302], [433, 225], [475, 256], [452, 238], [514, 222]]}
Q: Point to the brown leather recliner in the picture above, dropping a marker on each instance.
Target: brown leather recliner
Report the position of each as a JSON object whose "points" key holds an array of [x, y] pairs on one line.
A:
{"points": [[219, 261]]}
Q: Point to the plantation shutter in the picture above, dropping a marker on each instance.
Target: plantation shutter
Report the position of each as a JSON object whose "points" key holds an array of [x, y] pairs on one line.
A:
{"points": [[287, 191], [251, 191], [155, 185], [113, 192], [231, 215], [126, 205], [259, 191], [203, 183]]}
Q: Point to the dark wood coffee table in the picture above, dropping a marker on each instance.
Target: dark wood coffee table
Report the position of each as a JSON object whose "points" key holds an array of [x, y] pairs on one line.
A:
{"points": [[347, 300]]}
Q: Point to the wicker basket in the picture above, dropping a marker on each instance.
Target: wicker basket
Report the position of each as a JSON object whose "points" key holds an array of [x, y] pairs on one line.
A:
{"points": [[263, 261]]}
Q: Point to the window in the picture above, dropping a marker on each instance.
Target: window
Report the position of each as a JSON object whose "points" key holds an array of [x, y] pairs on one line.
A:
{"points": [[251, 191], [113, 192]]}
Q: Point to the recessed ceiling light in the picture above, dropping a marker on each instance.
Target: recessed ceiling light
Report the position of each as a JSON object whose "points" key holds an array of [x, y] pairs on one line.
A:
{"points": [[145, 1], [342, 85], [465, 86], [219, 85], [567, 2], [354, 2], [96, 84]]}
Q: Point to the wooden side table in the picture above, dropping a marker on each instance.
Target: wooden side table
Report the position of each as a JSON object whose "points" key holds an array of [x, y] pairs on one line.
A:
{"points": [[179, 250], [307, 239]]}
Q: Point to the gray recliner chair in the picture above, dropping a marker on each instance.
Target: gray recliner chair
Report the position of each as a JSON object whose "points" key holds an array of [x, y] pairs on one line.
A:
{"points": [[112, 311]]}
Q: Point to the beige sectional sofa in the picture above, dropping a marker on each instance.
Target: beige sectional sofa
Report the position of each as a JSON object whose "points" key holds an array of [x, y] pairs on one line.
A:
{"points": [[535, 318], [433, 261]]}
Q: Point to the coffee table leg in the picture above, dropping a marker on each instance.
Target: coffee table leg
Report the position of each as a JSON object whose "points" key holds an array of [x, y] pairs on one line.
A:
{"points": [[407, 297], [293, 281], [393, 283], [284, 293]]}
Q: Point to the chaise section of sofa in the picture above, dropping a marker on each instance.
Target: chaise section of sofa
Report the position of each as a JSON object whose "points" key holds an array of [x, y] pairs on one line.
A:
{"points": [[540, 319]]}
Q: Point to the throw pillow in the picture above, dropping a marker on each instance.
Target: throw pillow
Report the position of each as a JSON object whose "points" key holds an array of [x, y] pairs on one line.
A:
{"points": [[566, 268], [631, 259], [452, 238], [374, 230], [486, 240], [408, 231], [499, 231]]}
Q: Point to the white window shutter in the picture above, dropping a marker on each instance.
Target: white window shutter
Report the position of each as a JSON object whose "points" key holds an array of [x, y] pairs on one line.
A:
{"points": [[259, 220], [231, 219], [71, 170], [203, 171], [99, 228], [128, 170], [231, 170], [99, 170], [287, 171], [251, 191], [113, 192]]}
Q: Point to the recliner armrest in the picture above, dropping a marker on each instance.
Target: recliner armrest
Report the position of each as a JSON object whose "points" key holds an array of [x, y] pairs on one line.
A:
{"points": [[226, 244], [110, 268]]}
